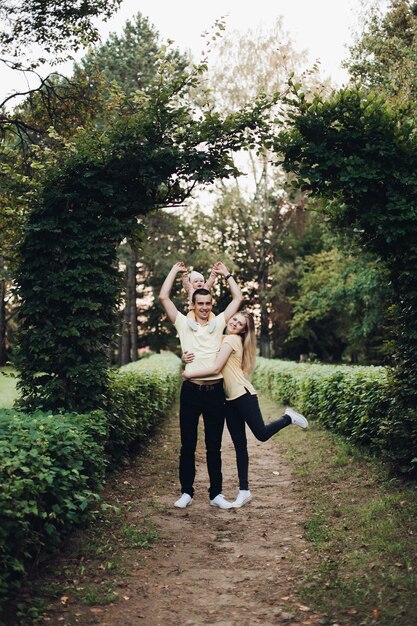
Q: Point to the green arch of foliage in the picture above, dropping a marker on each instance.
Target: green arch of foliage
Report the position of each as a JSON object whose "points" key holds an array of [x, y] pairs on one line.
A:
{"points": [[154, 152], [360, 154]]}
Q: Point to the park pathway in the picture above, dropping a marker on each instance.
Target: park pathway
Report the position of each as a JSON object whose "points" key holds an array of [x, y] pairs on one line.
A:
{"points": [[225, 568]]}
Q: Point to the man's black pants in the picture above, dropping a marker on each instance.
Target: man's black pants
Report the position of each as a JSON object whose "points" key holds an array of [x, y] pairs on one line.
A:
{"points": [[210, 403]]}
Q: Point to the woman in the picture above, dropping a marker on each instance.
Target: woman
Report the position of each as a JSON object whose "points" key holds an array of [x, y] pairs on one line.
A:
{"points": [[236, 360]]}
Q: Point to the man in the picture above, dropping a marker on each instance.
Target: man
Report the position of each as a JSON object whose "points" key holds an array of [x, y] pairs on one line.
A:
{"points": [[203, 396]]}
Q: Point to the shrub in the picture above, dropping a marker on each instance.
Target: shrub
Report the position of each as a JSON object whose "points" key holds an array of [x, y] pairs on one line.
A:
{"points": [[52, 465], [139, 394], [351, 400], [51, 468]]}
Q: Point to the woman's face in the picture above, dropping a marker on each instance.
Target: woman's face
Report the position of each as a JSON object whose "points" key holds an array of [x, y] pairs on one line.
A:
{"points": [[236, 325]]}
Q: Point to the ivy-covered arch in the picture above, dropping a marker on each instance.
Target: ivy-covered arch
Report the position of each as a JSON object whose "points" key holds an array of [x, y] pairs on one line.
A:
{"points": [[359, 153], [153, 154]]}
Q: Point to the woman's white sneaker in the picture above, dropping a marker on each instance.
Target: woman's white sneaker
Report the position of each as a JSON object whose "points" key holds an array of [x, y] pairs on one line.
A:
{"points": [[243, 497], [296, 418], [184, 501]]}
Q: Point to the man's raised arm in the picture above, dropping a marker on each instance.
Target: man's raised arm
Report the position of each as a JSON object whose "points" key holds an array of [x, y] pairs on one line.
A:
{"points": [[237, 298], [165, 293]]}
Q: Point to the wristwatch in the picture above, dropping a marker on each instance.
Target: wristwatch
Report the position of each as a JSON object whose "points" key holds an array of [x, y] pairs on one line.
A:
{"points": [[227, 277]]}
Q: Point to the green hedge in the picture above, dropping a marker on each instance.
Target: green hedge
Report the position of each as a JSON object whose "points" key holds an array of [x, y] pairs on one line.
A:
{"points": [[351, 400], [51, 468], [140, 395], [52, 465]]}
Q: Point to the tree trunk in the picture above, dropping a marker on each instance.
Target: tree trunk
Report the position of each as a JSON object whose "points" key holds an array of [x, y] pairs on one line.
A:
{"points": [[265, 341], [129, 343], [131, 300], [3, 355], [125, 334]]}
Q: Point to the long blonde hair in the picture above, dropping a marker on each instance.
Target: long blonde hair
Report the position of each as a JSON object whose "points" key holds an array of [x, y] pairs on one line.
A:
{"points": [[249, 343]]}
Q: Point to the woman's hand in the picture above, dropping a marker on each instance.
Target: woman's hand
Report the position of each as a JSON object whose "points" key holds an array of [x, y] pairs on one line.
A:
{"points": [[187, 357]]}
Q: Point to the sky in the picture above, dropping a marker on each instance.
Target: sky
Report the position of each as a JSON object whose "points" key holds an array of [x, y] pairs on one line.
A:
{"points": [[322, 27]]}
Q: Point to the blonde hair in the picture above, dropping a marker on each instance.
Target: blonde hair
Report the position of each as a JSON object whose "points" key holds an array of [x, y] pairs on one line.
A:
{"points": [[249, 343]]}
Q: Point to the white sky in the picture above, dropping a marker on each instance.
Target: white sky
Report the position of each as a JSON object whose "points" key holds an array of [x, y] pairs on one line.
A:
{"points": [[323, 27]]}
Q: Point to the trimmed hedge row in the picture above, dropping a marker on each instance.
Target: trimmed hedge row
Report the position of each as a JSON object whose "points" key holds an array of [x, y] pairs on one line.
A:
{"points": [[52, 465], [140, 395], [350, 400]]}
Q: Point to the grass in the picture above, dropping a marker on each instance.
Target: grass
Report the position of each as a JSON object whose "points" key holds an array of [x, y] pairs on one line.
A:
{"points": [[8, 392], [361, 523]]}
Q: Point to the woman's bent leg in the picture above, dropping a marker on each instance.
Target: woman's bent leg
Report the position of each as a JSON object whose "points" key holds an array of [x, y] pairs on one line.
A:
{"points": [[248, 408]]}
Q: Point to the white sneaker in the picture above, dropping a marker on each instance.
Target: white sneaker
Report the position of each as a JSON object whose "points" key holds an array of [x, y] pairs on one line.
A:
{"points": [[221, 502], [296, 418], [184, 501], [243, 497]]}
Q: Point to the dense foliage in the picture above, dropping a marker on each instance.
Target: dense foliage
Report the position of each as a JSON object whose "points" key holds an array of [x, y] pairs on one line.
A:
{"points": [[152, 155], [340, 310], [55, 26], [51, 468], [140, 394], [359, 153], [384, 56], [350, 400], [52, 465]]}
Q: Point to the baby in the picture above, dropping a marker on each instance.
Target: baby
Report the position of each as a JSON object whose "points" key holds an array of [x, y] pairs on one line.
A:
{"points": [[194, 281]]}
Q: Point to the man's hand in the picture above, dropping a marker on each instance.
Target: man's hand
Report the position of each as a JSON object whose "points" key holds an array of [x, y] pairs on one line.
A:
{"points": [[220, 268], [165, 293], [179, 267], [187, 357]]}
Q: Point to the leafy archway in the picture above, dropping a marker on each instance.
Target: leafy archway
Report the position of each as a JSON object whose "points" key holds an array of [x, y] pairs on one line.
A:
{"points": [[359, 153], [157, 149]]}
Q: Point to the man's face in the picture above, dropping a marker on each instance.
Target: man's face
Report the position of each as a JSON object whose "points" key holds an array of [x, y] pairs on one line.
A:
{"points": [[202, 307]]}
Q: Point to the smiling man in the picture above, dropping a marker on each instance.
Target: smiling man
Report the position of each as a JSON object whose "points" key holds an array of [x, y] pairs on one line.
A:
{"points": [[201, 396]]}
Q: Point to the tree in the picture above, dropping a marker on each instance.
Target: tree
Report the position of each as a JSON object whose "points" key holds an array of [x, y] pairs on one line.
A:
{"points": [[341, 312], [129, 60], [153, 154], [359, 153], [55, 26], [57, 29], [384, 56], [259, 207], [250, 236], [125, 64]]}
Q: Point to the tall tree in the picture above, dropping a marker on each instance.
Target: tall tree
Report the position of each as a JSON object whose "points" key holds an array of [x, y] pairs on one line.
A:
{"points": [[128, 60], [384, 55], [359, 152], [257, 62], [125, 64], [158, 148]]}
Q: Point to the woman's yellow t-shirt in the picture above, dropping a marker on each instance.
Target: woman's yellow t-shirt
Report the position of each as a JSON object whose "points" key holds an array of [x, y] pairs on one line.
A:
{"points": [[235, 382]]}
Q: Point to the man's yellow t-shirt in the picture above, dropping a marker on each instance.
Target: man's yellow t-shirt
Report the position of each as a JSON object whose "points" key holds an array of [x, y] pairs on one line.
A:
{"points": [[204, 344]]}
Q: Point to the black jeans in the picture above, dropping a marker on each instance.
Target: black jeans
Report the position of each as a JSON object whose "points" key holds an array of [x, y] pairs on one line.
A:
{"points": [[209, 404], [245, 409]]}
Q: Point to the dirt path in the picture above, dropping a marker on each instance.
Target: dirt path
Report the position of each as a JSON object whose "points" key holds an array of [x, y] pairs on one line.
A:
{"points": [[225, 568]]}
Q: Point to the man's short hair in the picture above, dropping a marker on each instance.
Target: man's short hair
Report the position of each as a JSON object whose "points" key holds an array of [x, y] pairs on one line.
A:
{"points": [[200, 292]]}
